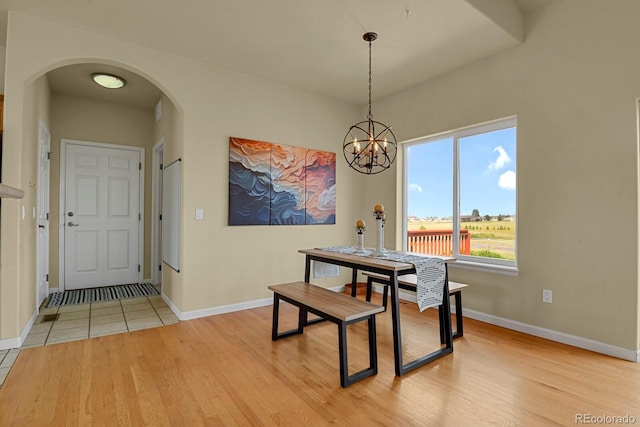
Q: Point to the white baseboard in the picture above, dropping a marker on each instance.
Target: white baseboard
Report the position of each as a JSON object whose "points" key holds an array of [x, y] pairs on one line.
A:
{"points": [[17, 342], [195, 314], [561, 337]]}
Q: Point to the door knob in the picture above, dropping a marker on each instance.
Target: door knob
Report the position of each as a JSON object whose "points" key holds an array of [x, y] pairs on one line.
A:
{"points": [[70, 214], [71, 224]]}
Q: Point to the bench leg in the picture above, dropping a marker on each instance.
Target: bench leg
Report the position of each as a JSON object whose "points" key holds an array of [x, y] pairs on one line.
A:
{"points": [[342, 351], [346, 379], [458, 298], [385, 291], [458, 302], [302, 319]]}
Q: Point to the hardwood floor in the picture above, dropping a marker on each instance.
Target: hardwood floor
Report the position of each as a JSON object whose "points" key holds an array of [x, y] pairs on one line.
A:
{"points": [[225, 370]]}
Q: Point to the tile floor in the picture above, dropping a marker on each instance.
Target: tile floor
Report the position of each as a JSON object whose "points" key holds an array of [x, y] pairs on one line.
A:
{"points": [[82, 321]]}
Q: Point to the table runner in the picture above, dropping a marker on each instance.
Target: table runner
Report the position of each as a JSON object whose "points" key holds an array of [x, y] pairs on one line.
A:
{"points": [[431, 272]]}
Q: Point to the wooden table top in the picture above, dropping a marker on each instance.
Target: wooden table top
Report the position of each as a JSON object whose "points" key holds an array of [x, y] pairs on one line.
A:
{"points": [[370, 261]]}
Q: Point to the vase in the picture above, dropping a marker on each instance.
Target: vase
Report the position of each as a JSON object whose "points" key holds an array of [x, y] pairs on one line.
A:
{"points": [[380, 250], [360, 242]]}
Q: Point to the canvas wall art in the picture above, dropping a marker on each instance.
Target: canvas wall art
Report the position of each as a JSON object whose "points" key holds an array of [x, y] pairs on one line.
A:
{"points": [[274, 184]]}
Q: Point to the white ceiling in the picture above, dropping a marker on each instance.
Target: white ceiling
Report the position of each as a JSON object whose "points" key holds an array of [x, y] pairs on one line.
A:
{"points": [[312, 45]]}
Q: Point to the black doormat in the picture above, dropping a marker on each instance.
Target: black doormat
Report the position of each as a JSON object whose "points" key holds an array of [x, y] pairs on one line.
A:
{"points": [[83, 296]]}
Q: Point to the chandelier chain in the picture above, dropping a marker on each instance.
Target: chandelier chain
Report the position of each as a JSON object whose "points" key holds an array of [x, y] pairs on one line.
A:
{"points": [[369, 116]]}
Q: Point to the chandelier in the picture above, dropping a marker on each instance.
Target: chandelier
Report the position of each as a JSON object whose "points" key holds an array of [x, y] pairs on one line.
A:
{"points": [[369, 146]]}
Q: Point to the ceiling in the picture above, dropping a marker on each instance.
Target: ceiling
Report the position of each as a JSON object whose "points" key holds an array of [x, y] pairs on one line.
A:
{"points": [[315, 46]]}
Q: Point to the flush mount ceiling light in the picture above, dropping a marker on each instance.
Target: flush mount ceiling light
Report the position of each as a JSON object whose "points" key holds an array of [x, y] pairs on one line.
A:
{"points": [[370, 147], [108, 80]]}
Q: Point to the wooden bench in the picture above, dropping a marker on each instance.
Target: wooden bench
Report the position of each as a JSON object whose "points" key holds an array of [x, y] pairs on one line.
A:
{"points": [[334, 307], [409, 282]]}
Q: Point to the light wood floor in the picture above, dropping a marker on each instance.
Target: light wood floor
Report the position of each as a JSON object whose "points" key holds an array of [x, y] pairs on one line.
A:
{"points": [[225, 370]]}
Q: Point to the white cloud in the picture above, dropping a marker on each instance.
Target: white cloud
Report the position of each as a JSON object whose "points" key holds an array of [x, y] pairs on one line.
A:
{"points": [[507, 180], [503, 158], [415, 187]]}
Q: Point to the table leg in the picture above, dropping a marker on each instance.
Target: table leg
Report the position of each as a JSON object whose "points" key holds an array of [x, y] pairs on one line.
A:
{"points": [[354, 281], [307, 269], [395, 316]]}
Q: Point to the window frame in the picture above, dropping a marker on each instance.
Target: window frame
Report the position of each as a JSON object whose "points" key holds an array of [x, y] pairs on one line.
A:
{"points": [[463, 261]]}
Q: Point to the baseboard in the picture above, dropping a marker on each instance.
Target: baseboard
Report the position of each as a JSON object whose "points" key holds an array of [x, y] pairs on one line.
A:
{"points": [[17, 342], [561, 337], [230, 308], [171, 305], [195, 314], [10, 343]]}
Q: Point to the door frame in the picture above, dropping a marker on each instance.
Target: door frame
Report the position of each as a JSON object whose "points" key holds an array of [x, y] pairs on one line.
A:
{"points": [[61, 214], [156, 210], [42, 267]]}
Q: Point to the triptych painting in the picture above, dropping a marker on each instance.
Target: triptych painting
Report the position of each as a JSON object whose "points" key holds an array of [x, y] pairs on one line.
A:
{"points": [[273, 184]]}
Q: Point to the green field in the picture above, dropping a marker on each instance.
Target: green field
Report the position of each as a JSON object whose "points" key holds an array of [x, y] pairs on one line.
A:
{"points": [[495, 239]]}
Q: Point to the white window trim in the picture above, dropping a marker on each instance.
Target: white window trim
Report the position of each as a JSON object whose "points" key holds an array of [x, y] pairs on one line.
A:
{"points": [[492, 265]]}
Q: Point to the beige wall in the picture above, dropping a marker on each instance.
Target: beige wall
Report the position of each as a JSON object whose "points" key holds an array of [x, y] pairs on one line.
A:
{"points": [[573, 85], [221, 265], [105, 122]]}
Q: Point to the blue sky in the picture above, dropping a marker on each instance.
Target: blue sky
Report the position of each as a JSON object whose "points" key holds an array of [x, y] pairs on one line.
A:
{"points": [[487, 175]]}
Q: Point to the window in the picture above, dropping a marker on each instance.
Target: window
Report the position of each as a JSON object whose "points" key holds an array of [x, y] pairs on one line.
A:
{"points": [[463, 183]]}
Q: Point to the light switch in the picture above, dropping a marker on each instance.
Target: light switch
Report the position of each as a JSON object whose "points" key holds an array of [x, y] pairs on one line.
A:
{"points": [[199, 213]]}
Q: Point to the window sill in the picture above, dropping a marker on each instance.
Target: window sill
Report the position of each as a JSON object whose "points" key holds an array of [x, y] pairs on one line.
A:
{"points": [[487, 268]]}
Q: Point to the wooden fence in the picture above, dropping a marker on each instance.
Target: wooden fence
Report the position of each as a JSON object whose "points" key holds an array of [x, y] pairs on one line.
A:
{"points": [[438, 242]]}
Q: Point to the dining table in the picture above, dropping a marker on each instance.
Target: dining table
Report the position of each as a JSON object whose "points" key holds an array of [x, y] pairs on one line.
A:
{"points": [[384, 264]]}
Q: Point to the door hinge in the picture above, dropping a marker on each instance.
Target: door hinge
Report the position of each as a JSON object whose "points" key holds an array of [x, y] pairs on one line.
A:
{"points": [[160, 267], [139, 166], [138, 217], [161, 167], [160, 217], [48, 155], [138, 268], [46, 278], [47, 216]]}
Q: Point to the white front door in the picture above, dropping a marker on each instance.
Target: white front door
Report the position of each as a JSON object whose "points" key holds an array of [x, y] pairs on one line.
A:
{"points": [[101, 216], [42, 242]]}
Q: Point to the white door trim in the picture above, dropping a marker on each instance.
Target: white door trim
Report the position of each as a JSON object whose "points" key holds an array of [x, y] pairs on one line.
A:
{"points": [[156, 210], [62, 201]]}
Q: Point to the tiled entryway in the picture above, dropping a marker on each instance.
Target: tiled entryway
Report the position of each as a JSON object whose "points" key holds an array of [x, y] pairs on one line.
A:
{"points": [[82, 321]]}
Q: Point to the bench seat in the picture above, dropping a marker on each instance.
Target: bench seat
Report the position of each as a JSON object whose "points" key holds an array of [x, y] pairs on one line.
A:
{"points": [[334, 307], [410, 282]]}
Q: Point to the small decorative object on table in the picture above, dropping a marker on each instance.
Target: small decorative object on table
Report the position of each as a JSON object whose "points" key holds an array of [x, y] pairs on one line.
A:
{"points": [[361, 226], [378, 214]]}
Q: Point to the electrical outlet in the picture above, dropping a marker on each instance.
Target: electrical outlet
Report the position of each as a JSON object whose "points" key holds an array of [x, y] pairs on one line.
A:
{"points": [[547, 296]]}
